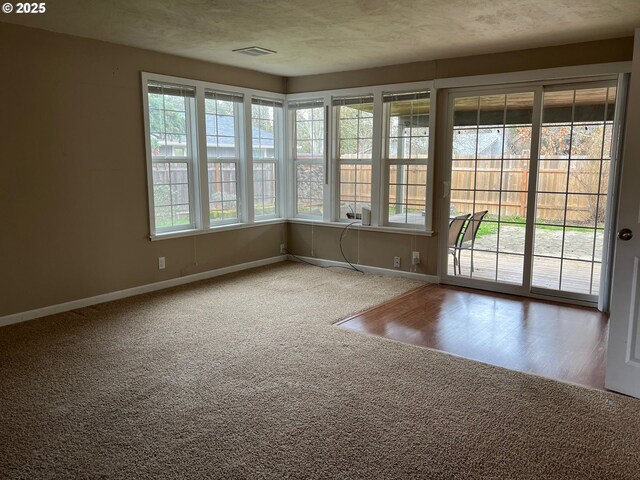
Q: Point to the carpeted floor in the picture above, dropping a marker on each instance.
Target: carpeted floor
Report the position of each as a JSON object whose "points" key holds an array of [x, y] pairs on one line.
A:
{"points": [[245, 377]]}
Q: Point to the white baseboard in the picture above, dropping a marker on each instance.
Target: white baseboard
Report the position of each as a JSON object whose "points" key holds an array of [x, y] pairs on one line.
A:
{"points": [[129, 292], [365, 268]]}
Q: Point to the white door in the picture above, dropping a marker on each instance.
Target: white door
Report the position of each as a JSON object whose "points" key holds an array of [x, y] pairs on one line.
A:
{"points": [[623, 357]]}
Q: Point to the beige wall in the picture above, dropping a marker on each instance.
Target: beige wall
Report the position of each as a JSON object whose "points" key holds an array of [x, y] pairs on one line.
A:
{"points": [[408, 72], [73, 186], [587, 53], [362, 246]]}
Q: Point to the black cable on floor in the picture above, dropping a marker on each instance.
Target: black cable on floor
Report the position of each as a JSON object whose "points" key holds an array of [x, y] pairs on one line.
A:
{"points": [[351, 265], [300, 259], [342, 251]]}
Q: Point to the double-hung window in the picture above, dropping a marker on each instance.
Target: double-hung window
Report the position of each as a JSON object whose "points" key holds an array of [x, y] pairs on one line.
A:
{"points": [[406, 156], [266, 120], [308, 119], [173, 156], [223, 155], [354, 147], [214, 154]]}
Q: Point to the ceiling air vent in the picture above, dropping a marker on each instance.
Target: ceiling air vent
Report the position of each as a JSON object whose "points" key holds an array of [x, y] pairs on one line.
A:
{"points": [[255, 51]]}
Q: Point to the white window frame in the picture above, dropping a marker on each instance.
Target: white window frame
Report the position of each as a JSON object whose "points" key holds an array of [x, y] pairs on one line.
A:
{"points": [[199, 207], [278, 160], [401, 162], [240, 148], [294, 161], [378, 188], [338, 161], [191, 160]]}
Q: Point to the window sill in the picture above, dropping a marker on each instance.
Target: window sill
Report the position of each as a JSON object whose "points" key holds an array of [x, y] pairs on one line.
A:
{"points": [[405, 231], [219, 228], [275, 221]]}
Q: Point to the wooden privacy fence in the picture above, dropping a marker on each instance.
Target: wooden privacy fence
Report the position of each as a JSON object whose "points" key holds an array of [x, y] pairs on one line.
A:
{"points": [[501, 186], [355, 184], [579, 186]]}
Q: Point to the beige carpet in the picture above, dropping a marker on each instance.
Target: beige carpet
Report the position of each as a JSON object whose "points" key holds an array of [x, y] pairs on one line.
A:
{"points": [[245, 377]]}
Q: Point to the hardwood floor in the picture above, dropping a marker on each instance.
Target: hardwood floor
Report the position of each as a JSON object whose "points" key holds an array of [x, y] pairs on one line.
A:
{"points": [[553, 340]]}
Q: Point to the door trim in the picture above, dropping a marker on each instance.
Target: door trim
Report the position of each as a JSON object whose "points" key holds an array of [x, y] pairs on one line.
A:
{"points": [[608, 247]]}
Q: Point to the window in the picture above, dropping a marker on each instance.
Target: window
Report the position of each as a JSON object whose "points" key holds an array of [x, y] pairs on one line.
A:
{"points": [[308, 120], [380, 156], [223, 155], [171, 128], [266, 116], [213, 154], [354, 152], [407, 153]]}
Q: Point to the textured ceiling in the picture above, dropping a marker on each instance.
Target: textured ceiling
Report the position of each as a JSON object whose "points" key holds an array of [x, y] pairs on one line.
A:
{"points": [[320, 36]]}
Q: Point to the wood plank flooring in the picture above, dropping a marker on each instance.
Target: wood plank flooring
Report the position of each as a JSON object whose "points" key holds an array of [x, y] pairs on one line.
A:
{"points": [[558, 341]]}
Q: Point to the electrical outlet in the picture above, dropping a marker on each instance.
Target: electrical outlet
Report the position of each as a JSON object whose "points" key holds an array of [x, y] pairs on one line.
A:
{"points": [[161, 263], [396, 262], [415, 258], [283, 249]]}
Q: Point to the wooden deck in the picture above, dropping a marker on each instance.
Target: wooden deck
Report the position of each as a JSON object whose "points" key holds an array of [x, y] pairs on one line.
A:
{"points": [[508, 268]]}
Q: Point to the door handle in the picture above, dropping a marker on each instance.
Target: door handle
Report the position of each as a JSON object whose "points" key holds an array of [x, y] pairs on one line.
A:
{"points": [[446, 189], [625, 234]]}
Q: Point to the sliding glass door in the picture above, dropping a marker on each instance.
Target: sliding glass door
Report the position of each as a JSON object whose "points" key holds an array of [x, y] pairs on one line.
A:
{"points": [[490, 161], [529, 180]]}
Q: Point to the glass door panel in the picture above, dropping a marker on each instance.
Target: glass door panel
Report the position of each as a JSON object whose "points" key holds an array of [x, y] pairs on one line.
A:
{"points": [[571, 193], [490, 164]]}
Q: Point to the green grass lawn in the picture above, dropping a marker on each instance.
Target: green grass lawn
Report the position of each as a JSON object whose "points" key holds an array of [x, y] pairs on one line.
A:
{"points": [[489, 225]]}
